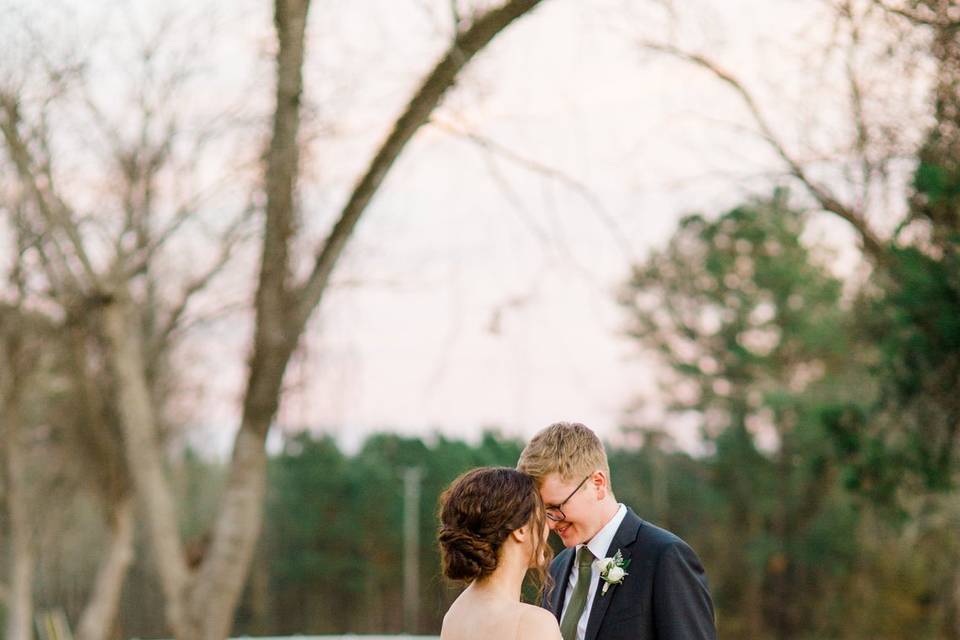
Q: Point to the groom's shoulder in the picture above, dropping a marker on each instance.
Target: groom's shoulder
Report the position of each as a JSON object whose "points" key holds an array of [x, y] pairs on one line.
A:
{"points": [[559, 559], [657, 538]]}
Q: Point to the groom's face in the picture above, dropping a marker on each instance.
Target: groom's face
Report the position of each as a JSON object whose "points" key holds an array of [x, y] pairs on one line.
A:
{"points": [[574, 503]]}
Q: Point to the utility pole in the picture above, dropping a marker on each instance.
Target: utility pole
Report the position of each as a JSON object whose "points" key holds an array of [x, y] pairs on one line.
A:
{"points": [[411, 548]]}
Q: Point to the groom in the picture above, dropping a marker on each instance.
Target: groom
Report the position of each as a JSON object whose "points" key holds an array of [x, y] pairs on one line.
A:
{"points": [[663, 595]]}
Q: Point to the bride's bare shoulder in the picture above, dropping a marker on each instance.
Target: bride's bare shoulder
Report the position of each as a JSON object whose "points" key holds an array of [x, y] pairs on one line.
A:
{"points": [[537, 623]]}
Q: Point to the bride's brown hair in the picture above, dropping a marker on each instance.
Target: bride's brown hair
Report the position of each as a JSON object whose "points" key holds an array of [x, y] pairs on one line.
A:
{"points": [[477, 513]]}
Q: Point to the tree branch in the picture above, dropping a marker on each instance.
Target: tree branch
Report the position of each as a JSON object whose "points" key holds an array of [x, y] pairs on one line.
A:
{"points": [[56, 213], [872, 244], [428, 96], [231, 239], [857, 106], [535, 166], [934, 20]]}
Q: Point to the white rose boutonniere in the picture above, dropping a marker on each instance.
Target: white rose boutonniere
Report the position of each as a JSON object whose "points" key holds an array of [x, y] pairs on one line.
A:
{"points": [[612, 570]]}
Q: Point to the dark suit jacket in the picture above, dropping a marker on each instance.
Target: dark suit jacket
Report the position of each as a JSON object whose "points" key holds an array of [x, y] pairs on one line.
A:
{"points": [[664, 597]]}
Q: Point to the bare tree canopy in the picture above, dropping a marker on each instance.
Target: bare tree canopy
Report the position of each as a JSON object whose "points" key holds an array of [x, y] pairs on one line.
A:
{"points": [[117, 300]]}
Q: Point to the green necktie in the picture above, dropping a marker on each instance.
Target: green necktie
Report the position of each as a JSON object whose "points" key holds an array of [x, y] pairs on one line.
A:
{"points": [[568, 628]]}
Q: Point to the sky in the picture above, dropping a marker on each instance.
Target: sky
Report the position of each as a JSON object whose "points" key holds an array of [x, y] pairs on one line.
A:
{"points": [[479, 290], [486, 292]]}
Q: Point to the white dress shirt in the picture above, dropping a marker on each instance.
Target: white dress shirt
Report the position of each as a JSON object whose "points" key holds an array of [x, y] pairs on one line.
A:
{"points": [[599, 545]]}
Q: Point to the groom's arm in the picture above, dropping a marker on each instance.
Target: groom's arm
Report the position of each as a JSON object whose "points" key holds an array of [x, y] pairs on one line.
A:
{"points": [[682, 608]]}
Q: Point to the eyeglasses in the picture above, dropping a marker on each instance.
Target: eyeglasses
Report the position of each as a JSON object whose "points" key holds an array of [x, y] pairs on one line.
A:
{"points": [[555, 512]]}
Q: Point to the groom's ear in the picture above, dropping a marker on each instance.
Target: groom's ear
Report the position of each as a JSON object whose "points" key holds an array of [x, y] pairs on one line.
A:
{"points": [[601, 484]]}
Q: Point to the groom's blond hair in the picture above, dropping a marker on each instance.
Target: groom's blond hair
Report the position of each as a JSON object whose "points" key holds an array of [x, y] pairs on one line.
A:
{"points": [[567, 448]]}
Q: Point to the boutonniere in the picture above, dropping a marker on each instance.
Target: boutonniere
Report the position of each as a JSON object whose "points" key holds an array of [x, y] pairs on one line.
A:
{"points": [[612, 570]]}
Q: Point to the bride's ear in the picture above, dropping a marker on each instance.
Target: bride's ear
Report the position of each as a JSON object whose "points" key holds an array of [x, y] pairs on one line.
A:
{"points": [[520, 535]]}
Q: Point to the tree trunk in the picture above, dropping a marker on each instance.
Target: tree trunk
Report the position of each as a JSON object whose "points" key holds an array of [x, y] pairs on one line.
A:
{"points": [[145, 457], [100, 614], [218, 587], [22, 552], [260, 599], [211, 602], [23, 557]]}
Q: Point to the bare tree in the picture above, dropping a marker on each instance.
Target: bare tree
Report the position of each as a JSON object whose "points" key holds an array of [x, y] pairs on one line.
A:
{"points": [[282, 310], [35, 352], [54, 270], [875, 140], [116, 296], [27, 370]]}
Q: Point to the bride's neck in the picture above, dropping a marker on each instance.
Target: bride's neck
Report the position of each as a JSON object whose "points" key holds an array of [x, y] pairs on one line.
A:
{"points": [[506, 581]]}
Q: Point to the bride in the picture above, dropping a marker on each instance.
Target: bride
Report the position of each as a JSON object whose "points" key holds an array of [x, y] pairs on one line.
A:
{"points": [[493, 529]]}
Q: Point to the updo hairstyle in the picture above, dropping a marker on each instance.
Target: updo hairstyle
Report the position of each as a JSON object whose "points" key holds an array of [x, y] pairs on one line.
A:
{"points": [[477, 513]]}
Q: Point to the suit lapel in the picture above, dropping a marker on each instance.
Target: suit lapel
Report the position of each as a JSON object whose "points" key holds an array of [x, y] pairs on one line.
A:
{"points": [[560, 584], [623, 540]]}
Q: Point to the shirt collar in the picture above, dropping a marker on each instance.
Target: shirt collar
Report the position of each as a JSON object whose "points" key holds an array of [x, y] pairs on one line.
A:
{"points": [[599, 545]]}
